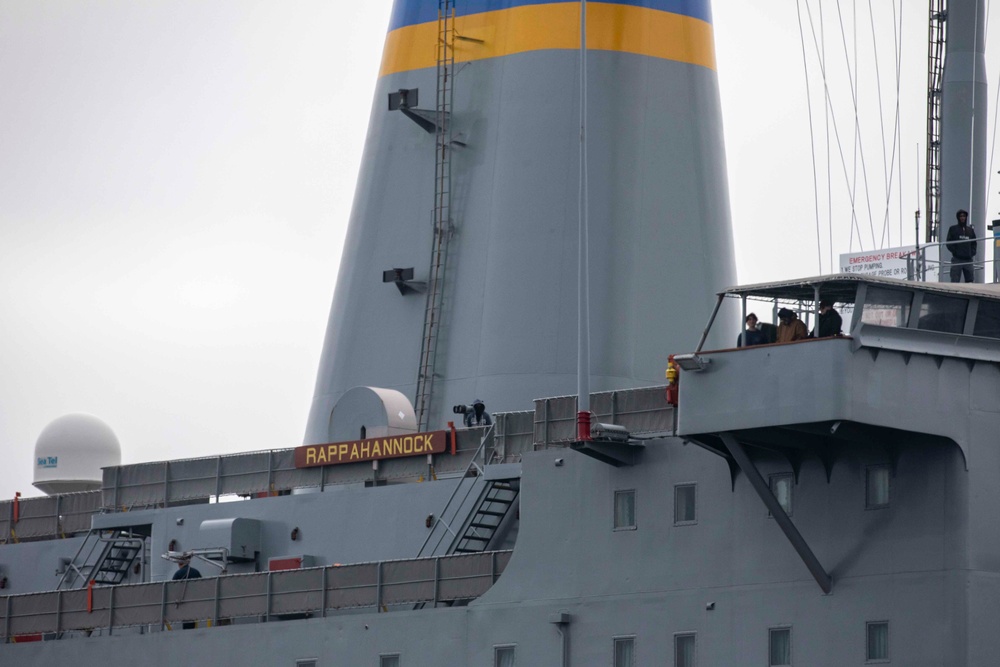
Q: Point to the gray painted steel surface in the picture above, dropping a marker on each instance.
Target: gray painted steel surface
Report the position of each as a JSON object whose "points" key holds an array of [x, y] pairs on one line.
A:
{"points": [[965, 122], [660, 232]]}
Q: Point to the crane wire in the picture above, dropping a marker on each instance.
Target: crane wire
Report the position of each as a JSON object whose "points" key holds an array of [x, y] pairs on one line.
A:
{"points": [[881, 123], [826, 114], [836, 133], [812, 137], [859, 149]]}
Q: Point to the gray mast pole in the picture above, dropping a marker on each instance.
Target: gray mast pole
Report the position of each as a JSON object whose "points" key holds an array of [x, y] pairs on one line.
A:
{"points": [[964, 123], [583, 352]]}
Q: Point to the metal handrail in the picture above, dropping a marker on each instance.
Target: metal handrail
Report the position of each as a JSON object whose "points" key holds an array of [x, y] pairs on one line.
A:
{"points": [[440, 517], [62, 613]]}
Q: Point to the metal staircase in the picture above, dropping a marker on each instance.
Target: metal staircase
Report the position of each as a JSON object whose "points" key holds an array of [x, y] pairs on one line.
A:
{"points": [[442, 212], [937, 35], [496, 503], [110, 554]]}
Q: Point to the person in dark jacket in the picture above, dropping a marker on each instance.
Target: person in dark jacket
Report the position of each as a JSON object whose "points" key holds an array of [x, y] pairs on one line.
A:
{"points": [[752, 335], [185, 571], [478, 416], [962, 246], [830, 322]]}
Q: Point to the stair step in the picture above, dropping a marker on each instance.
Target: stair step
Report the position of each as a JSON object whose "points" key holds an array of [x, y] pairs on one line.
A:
{"points": [[478, 539], [484, 525], [491, 513]]}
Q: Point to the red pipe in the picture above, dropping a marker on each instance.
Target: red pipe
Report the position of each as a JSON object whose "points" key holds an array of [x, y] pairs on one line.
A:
{"points": [[583, 425], [17, 506], [454, 438], [90, 596]]}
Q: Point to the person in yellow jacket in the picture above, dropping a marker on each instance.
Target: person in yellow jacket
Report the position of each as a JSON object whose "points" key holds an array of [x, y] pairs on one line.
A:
{"points": [[791, 327]]}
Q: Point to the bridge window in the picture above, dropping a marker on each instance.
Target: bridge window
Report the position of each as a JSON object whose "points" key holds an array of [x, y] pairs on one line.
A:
{"points": [[878, 642], [942, 313], [988, 320], [779, 647], [625, 510], [685, 497], [886, 307], [503, 656]]}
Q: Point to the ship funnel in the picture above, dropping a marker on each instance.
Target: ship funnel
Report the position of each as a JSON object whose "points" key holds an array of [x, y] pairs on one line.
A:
{"points": [[470, 179]]}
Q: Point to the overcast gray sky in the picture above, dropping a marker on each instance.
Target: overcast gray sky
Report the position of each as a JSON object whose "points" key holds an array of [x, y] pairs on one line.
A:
{"points": [[176, 177]]}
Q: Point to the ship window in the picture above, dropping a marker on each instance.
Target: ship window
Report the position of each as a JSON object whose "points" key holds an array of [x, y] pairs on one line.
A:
{"points": [[625, 510], [624, 651], [988, 320], [878, 642], [942, 313], [684, 504], [886, 307], [388, 660], [877, 487], [684, 650], [781, 487], [311, 662], [779, 647], [503, 656]]}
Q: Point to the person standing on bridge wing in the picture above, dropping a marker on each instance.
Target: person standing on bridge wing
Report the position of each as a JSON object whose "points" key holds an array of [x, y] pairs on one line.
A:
{"points": [[791, 327], [962, 246], [829, 320], [185, 571]]}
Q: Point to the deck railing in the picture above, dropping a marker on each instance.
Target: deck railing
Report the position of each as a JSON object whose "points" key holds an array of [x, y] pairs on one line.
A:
{"points": [[259, 597]]}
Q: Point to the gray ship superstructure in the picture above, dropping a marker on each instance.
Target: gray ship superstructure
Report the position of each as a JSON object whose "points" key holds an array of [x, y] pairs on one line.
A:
{"points": [[826, 501]]}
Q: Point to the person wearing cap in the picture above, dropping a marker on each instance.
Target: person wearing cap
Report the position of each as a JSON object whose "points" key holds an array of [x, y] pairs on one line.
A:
{"points": [[791, 327], [961, 243], [752, 335], [829, 320], [478, 415]]}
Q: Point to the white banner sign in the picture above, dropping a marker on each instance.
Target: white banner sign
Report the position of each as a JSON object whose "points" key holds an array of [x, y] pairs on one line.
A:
{"points": [[887, 263]]}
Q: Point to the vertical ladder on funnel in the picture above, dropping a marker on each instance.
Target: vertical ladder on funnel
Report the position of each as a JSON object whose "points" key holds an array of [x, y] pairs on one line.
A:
{"points": [[442, 212], [935, 83]]}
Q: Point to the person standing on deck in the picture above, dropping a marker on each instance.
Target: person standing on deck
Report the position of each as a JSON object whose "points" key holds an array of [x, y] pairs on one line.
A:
{"points": [[830, 322], [752, 335], [791, 327], [961, 244]]}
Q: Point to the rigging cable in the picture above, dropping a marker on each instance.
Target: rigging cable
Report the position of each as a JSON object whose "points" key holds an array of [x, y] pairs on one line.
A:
{"points": [[886, 171], [826, 114], [836, 134], [859, 150], [996, 102], [812, 138]]}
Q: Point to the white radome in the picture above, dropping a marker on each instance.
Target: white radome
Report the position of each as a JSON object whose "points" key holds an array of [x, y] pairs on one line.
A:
{"points": [[70, 453]]}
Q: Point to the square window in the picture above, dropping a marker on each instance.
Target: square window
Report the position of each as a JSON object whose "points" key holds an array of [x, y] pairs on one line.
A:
{"points": [[684, 504], [779, 647], [624, 651], [877, 487], [308, 662], [878, 642], [503, 656], [625, 510], [388, 661], [781, 487], [684, 650]]}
